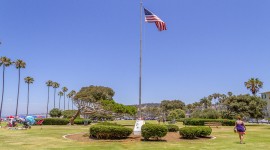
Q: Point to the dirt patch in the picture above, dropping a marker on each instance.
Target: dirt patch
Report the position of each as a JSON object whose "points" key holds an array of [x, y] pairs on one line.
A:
{"points": [[170, 137]]}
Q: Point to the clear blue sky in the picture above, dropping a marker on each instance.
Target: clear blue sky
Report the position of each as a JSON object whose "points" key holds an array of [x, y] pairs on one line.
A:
{"points": [[210, 46]]}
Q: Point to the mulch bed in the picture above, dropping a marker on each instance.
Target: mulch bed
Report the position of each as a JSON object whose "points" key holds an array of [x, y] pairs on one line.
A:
{"points": [[170, 137]]}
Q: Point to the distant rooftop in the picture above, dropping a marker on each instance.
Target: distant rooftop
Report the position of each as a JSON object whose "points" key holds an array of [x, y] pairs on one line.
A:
{"points": [[265, 92]]}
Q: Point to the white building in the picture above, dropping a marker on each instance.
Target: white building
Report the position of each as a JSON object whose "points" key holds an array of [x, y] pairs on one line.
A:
{"points": [[266, 96]]}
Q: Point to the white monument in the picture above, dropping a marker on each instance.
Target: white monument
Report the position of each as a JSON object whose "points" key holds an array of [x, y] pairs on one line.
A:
{"points": [[138, 127]]}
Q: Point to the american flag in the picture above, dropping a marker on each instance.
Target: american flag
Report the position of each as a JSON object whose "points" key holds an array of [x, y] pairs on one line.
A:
{"points": [[152, 18]]}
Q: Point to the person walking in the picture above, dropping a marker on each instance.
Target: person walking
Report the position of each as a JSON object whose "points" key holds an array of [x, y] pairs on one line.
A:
{"points": [[240, 128]]}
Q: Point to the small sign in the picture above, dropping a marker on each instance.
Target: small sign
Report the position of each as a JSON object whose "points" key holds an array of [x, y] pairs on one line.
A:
{"points": [[138, 127]]}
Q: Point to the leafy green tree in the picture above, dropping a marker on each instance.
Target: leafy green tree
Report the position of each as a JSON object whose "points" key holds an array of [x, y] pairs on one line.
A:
{"points": [[28, 80], [176, 114], [19, 65], [68, 113], [55, 112], [110, 106], [89, 98], [64, 89], [151, 111], [254, 85], [131, 110], [206, 114], [49, 83], [5, 62], [60, 94], [55, 85], [244, 105]]}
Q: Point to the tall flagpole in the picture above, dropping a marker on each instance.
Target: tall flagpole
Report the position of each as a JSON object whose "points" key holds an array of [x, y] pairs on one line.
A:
{"points": [[140, 78]]}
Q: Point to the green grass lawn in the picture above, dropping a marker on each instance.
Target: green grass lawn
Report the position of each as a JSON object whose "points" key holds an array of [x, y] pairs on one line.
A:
{"points": [[50, 137]]}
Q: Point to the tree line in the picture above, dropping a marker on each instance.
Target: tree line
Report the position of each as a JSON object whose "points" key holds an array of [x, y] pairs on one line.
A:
{"points": [[19, 64]]}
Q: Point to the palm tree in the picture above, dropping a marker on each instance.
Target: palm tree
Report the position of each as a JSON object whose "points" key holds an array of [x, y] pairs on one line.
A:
{"points": [[19, 64], [55, 85], [28, 80], [60, 93], [64, 89], [254, 85], [73, 93], [230, 94], [49, 84], [216, 96], [6, 62], [70, 96], [206, 102]]}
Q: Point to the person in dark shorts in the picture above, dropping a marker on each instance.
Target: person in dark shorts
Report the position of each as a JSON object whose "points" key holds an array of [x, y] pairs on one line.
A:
{"points": [[240, 128]]}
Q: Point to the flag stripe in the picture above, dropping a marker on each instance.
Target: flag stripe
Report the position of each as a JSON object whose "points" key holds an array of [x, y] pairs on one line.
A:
{"points": [[152, 18]]}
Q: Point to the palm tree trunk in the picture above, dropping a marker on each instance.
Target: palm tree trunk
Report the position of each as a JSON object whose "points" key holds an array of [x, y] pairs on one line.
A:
{"points": [[48, 101], [64, 100], [68, 103], [27, 101], [3, 87], [59, 101], [18, 93], [72, 104], [54, 98]]}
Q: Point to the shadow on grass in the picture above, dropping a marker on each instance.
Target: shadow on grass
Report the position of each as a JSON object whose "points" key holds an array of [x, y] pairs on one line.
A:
{"points": [[154, 140]]}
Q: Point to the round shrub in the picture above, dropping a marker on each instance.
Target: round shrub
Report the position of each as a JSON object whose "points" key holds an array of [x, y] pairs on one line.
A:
{"points": [[193, 132], [100, 131], [188, 132], [204, 131], [172, 128], [176, 114], [55, 112], [153, 131]]}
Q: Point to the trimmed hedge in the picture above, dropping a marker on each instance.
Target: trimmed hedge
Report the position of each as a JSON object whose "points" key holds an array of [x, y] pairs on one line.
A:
{"points": [[172, 128], [54, 121], [200, 122], [61, 121], [109, 124], [109, 131], [193, 132], [81, 121], [153, 131]]}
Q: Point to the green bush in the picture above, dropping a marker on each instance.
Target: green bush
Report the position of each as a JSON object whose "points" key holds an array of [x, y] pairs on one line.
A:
{"points": [[188, 132], [176, 114], [200, 122], [172, 128], [55, 112], [102, 131], [54, 121], [193, 132], [180, 120], [69, 113], [109, 124], [153, 131], [81, 121], [204, 131]]}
